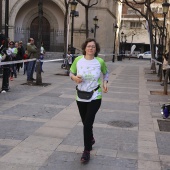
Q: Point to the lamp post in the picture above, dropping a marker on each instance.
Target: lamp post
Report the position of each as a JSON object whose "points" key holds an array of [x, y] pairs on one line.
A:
{"points": [[123, 43], [72, 14], [121, 49], [156, 20], [95, 20], [125, 37], [133, 34], [5, 80], [6, 21], [114, 52], [165, 7]]}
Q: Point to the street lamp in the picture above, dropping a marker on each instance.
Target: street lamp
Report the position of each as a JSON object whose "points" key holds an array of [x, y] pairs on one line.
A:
{"points": [[155, 27], [133, 34], [123, 42], [5, 80], [165, 7], [95, 20], [72, 14], [114, 53], [6, 21]]}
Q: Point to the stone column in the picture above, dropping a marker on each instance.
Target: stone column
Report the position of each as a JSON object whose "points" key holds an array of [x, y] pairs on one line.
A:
{"points": [[0, 15], [3, 14]]}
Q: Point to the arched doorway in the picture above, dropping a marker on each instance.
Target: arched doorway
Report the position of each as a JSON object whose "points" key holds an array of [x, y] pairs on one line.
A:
{"points": [[45, 32]]}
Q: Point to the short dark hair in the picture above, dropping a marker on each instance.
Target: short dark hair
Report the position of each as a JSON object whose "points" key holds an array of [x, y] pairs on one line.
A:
{"points": [[83, 47], [29, 40], [11, 43]]}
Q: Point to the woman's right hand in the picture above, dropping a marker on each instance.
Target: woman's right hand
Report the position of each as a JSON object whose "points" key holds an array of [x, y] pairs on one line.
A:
{"points": [[77, 79]]}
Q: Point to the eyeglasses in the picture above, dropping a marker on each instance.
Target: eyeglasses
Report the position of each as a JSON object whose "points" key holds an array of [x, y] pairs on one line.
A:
{"points": [[91, 46]]}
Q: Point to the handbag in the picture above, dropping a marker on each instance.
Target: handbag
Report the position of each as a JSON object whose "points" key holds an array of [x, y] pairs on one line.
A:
{"points": [[84, 94]]}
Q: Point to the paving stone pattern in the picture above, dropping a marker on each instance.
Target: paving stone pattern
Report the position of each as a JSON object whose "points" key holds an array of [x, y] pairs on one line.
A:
{"points": [[40, 127]]}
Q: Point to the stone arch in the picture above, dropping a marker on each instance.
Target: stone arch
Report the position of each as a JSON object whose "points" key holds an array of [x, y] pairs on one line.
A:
{"points": [[45, 32], [47, 14], [31, 15], [18, 5], [61, 4], [15, 9]]}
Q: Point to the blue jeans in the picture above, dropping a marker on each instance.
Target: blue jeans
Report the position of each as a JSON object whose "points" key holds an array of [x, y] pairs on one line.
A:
{"points": [[25, 67], [30, 70], [13, 70]]}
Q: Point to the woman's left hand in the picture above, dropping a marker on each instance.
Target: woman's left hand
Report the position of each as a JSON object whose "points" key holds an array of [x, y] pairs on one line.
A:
{"points": [[105, 88]]}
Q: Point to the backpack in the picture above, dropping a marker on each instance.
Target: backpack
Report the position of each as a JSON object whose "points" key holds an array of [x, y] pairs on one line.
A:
{"points": [[165, 110]]}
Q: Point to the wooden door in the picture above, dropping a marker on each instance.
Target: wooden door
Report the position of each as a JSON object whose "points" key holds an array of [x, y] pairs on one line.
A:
{"points": [[45, 32]]}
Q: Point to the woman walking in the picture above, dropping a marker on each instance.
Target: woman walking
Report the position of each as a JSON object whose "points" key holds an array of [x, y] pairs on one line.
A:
{"points": [[85, 71]]}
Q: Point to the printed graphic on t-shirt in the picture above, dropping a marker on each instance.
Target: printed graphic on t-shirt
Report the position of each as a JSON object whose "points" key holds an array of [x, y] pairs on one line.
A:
{"points": [[90, 71]]}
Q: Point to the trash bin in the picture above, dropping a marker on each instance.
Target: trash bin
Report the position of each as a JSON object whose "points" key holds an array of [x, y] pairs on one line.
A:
{"points": [[119, 58]]}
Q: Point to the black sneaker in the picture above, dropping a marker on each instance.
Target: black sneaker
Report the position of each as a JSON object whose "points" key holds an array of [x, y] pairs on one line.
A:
{"points": [[32, 79], [85, 156], [92, 143]]}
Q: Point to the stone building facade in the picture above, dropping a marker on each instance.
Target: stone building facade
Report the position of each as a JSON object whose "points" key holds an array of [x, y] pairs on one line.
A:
{"points": [[135, 27], [23, 22]]}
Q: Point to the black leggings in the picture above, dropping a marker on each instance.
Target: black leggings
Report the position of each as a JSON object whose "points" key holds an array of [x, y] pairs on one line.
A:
{"points": [[87, 112]]}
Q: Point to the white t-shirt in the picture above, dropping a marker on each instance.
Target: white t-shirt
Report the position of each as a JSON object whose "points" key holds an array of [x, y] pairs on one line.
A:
{"points": [[42, 50], [69, 56], [90, 71]]}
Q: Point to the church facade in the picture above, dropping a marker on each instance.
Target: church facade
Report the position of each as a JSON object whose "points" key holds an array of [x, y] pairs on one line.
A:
{"points": [[23, 23]]}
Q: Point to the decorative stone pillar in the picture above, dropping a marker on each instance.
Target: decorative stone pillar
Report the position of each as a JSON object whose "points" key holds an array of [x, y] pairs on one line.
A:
{"points": [[0, 15], [3, 15]]}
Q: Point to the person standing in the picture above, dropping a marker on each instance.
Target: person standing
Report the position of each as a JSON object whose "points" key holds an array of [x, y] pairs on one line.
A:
{"points": [[32, 54], [25, 57], [18, 56], [22, 49], [70, 58], [85, 71], [42, 52], [13, 55], [164, 68]]}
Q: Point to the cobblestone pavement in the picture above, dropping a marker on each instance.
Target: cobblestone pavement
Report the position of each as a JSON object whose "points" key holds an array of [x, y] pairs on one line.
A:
{"points": [[40, 127]]}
